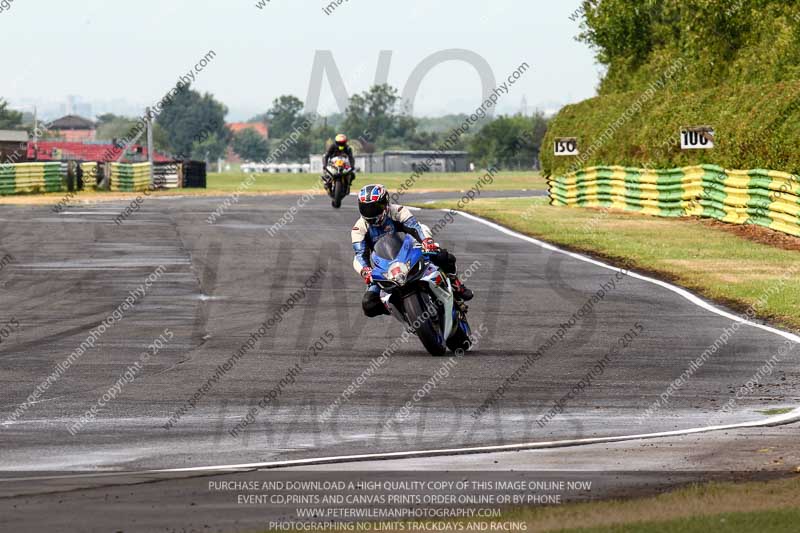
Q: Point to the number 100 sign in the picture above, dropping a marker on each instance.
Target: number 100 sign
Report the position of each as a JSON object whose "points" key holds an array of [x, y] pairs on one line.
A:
{"points": [[697, 138], [566, 146]]}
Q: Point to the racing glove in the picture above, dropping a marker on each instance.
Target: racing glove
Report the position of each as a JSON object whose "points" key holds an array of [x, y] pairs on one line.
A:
{"points": [[366, 273], [429, 246]]}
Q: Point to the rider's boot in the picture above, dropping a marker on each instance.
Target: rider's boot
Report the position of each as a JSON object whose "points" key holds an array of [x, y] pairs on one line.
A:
{"points": [[460, 291], [327, 183]]}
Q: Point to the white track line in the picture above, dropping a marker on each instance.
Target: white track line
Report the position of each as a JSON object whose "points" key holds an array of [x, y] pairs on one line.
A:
{"points": [[777, 420], [674, 288], [787, 418]]}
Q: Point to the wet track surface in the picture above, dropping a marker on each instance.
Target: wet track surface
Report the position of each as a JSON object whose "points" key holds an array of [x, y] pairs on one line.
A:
{"points": [[220, 282]]}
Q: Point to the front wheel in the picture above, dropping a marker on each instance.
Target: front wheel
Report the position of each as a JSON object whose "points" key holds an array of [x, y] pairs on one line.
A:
{"points": [[423, 323], [461, 339], [337, 194]]}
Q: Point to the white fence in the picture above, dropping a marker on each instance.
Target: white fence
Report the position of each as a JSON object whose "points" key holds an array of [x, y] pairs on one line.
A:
{"points": [[276, 168]]}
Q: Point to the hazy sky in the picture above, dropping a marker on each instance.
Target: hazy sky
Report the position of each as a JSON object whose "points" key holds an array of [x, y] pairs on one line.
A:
{"points": [[102, 50]]}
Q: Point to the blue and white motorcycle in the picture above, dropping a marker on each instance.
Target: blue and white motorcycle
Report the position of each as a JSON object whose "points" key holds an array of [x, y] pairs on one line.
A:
{"points": [[419, 294]]}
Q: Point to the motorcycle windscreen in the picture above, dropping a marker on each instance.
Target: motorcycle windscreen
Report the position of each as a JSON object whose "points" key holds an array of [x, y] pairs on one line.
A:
{"points": [[393, 248]]}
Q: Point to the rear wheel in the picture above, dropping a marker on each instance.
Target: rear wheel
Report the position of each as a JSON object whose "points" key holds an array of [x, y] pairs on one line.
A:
{"points": [[337, 193], [426, 329]]}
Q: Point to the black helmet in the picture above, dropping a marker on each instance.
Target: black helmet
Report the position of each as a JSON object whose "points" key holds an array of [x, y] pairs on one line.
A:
{"points": [[373, 201]]}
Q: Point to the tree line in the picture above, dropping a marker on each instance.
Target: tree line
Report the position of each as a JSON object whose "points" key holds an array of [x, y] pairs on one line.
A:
{"points": [[723, 42], [374, 120]]}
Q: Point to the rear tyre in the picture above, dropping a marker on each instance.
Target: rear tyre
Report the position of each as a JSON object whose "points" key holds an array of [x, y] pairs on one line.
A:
{"points": [[337, 194]]}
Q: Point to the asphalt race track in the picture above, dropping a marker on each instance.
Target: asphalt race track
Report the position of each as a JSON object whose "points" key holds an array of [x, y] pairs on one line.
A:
{"points": [[71, 270]]}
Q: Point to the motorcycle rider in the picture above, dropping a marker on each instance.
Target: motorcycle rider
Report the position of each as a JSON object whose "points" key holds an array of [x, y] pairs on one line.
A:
{"points": [[340, 147], [378, 218]]}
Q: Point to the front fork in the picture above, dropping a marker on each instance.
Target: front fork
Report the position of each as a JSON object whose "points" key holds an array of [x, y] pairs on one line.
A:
{"points": [[346, 180], [328, 181]]}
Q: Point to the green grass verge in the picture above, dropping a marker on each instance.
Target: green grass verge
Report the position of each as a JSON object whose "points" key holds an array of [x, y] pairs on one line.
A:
{"points": [[769, 507], [765, 507], [227, 183], [716, 263], [230, 181], [781, 521], [776, 412]]}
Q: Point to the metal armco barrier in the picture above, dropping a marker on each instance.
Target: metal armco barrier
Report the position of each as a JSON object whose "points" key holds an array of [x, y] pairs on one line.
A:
{"points": [[31, 178], [764, 197], [130, 177]]}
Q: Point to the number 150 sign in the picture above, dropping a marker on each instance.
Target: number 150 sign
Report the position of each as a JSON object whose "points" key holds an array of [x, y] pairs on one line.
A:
{"points": [[566, 146]]}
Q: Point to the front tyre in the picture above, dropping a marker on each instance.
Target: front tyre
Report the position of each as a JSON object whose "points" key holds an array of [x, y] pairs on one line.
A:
{"points": [[337, 193], [423, 325], [460, 340]]}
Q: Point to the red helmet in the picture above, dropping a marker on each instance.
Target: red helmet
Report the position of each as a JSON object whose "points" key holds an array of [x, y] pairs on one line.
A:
{"points": [[341, 141], [373, 202]]}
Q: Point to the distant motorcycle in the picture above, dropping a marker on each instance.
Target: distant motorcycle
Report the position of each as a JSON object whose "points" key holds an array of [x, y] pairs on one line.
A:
{"points": [[419, 294], [338, 175]]}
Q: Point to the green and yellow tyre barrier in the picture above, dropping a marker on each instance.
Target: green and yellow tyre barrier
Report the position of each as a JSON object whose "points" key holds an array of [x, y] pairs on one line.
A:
{"points": [[763, 197], [130, 177], [20, 178], [90, 170]]}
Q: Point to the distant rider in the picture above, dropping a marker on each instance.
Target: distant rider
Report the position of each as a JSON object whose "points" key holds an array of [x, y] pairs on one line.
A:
{"points": [[378, 218], [340, 147]]}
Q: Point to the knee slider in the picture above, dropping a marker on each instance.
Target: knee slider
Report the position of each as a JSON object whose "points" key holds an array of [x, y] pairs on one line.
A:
{"points": [[372, 305]]}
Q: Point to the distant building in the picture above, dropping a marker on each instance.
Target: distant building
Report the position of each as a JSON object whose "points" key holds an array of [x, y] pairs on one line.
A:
{"points": [[73, 128], [406, 161], [13, 146], [237, 127], [89, 151], [258, 127]]}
